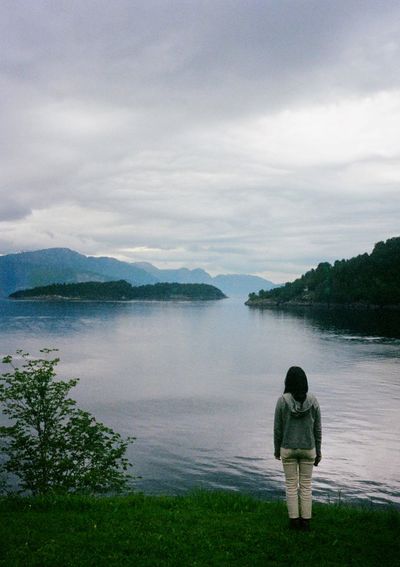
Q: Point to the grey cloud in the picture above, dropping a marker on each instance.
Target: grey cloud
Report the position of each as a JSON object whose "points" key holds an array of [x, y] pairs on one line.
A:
{"points": [[11, 210], [133, 113], [147, 53]]}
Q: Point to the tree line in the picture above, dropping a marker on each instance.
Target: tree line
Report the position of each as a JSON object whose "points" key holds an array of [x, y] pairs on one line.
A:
{"points": [[121, 290], [372, 279]]}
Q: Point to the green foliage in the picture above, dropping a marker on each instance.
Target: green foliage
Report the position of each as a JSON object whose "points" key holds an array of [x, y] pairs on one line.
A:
{"points": [[50, 444], [370, 279], [204, 529], [122, 290]]}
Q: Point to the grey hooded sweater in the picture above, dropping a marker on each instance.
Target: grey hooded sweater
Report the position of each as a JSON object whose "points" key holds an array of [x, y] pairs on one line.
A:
{"points": [[297, 425]]}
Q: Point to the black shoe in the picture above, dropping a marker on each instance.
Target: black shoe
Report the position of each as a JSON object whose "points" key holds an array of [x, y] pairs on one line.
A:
{"points": [[294, 523], [305, 524]]}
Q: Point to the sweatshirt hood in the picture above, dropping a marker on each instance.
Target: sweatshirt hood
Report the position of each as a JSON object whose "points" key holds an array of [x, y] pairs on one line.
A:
{"points": [[298, 409]]}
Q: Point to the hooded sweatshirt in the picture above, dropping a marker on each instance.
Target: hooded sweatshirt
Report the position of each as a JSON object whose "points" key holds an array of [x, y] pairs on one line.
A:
{"points": [[297, 425]]}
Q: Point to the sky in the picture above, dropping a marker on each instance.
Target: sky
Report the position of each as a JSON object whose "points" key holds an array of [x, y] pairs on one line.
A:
{"points": [[240, 136]]}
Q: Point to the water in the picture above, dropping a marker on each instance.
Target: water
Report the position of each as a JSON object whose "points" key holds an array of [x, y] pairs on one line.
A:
{"points": [[197, 384]]}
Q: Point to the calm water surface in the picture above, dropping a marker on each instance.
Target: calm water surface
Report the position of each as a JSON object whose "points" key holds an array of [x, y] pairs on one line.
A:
{"points": [[197, 384]]}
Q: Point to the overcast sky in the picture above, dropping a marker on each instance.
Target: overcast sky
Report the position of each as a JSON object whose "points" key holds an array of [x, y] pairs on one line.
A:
{"points": [[241, 136]]}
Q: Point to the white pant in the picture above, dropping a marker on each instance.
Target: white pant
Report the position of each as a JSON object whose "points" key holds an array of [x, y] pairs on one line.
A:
{"points": [[298, 467]]}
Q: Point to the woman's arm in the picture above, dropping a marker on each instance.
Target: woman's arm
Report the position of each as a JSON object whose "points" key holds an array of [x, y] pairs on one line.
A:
{"points": [[317, 433], [278, 429]]}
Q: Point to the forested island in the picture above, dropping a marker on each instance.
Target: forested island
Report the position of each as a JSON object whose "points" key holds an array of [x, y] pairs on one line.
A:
{"points": [[369, 280], [121, 291]]}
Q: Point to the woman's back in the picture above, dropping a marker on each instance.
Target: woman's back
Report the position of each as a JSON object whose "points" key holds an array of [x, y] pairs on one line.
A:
{"points": [[297, 424]]}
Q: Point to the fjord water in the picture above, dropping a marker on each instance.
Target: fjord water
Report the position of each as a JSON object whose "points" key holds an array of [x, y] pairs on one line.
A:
{"points": [[197, 383]]}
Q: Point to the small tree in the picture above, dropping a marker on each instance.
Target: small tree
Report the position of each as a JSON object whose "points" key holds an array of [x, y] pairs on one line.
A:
{"points": [[50, 444]]}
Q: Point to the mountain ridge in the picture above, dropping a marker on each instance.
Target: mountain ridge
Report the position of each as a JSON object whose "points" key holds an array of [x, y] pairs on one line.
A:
{"points": [[47, 266]]}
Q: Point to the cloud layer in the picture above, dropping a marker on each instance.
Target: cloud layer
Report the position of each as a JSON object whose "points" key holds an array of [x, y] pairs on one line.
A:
{"points": [[257, 137]]}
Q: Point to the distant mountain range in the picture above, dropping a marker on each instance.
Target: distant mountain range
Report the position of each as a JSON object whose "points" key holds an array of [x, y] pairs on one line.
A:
{"points": [[62, 265]]}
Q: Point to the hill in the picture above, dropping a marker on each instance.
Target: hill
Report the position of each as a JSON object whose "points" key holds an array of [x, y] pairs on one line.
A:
{"points": [[61, 265], [240, 285], [181, 275], [121, 291], [365, 280]]}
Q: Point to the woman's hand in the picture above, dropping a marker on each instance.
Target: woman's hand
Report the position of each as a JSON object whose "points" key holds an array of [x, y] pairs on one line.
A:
{"points": [[317, 460]]}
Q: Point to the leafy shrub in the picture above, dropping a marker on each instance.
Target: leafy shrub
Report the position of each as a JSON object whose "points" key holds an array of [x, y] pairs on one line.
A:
{"points": [[50, 444]]}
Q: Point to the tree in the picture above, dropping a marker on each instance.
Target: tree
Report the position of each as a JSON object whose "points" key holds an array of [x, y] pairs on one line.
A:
{"points": [[49, 443]]}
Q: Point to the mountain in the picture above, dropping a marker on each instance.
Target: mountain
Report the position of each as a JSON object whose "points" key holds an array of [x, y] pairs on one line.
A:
{"points": [[62, 265], [365, 280], [182, 275], [233, 285], [241, 285], [122, 291]]}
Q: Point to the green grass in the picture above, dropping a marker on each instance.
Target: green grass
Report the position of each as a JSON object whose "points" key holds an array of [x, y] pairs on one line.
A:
{"points": [[204, 528]]}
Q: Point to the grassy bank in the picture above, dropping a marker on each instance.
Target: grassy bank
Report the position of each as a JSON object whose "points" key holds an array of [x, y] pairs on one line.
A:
{"points": [[219, 529]]}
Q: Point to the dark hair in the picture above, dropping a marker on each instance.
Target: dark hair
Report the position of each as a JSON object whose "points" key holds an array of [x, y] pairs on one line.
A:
{"points": [[296, 383]]}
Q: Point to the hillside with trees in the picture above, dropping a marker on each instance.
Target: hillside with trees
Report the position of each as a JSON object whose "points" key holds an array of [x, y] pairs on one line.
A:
{"points": [[365, 280], [121, 291]]}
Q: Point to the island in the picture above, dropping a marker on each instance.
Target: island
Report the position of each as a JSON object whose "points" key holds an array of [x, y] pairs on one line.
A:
{"points": [[121, 291], [367, 281]]}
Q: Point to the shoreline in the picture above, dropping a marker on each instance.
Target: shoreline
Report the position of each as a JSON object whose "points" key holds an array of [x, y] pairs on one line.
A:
{"points": [[53, 298], [269, 303]]}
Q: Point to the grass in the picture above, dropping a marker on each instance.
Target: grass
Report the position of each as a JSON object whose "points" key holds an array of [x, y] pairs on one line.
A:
{"points": [[202, 528]]}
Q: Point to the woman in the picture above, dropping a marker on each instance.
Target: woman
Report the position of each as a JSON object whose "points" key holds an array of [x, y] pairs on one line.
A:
{"points": [[297, 440]]}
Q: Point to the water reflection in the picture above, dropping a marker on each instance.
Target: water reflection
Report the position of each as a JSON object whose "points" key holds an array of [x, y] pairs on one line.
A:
{"points": [[354, 324]]}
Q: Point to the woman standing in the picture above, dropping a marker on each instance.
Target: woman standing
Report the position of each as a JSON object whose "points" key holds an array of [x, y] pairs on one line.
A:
{"points": [[297, 440]]}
